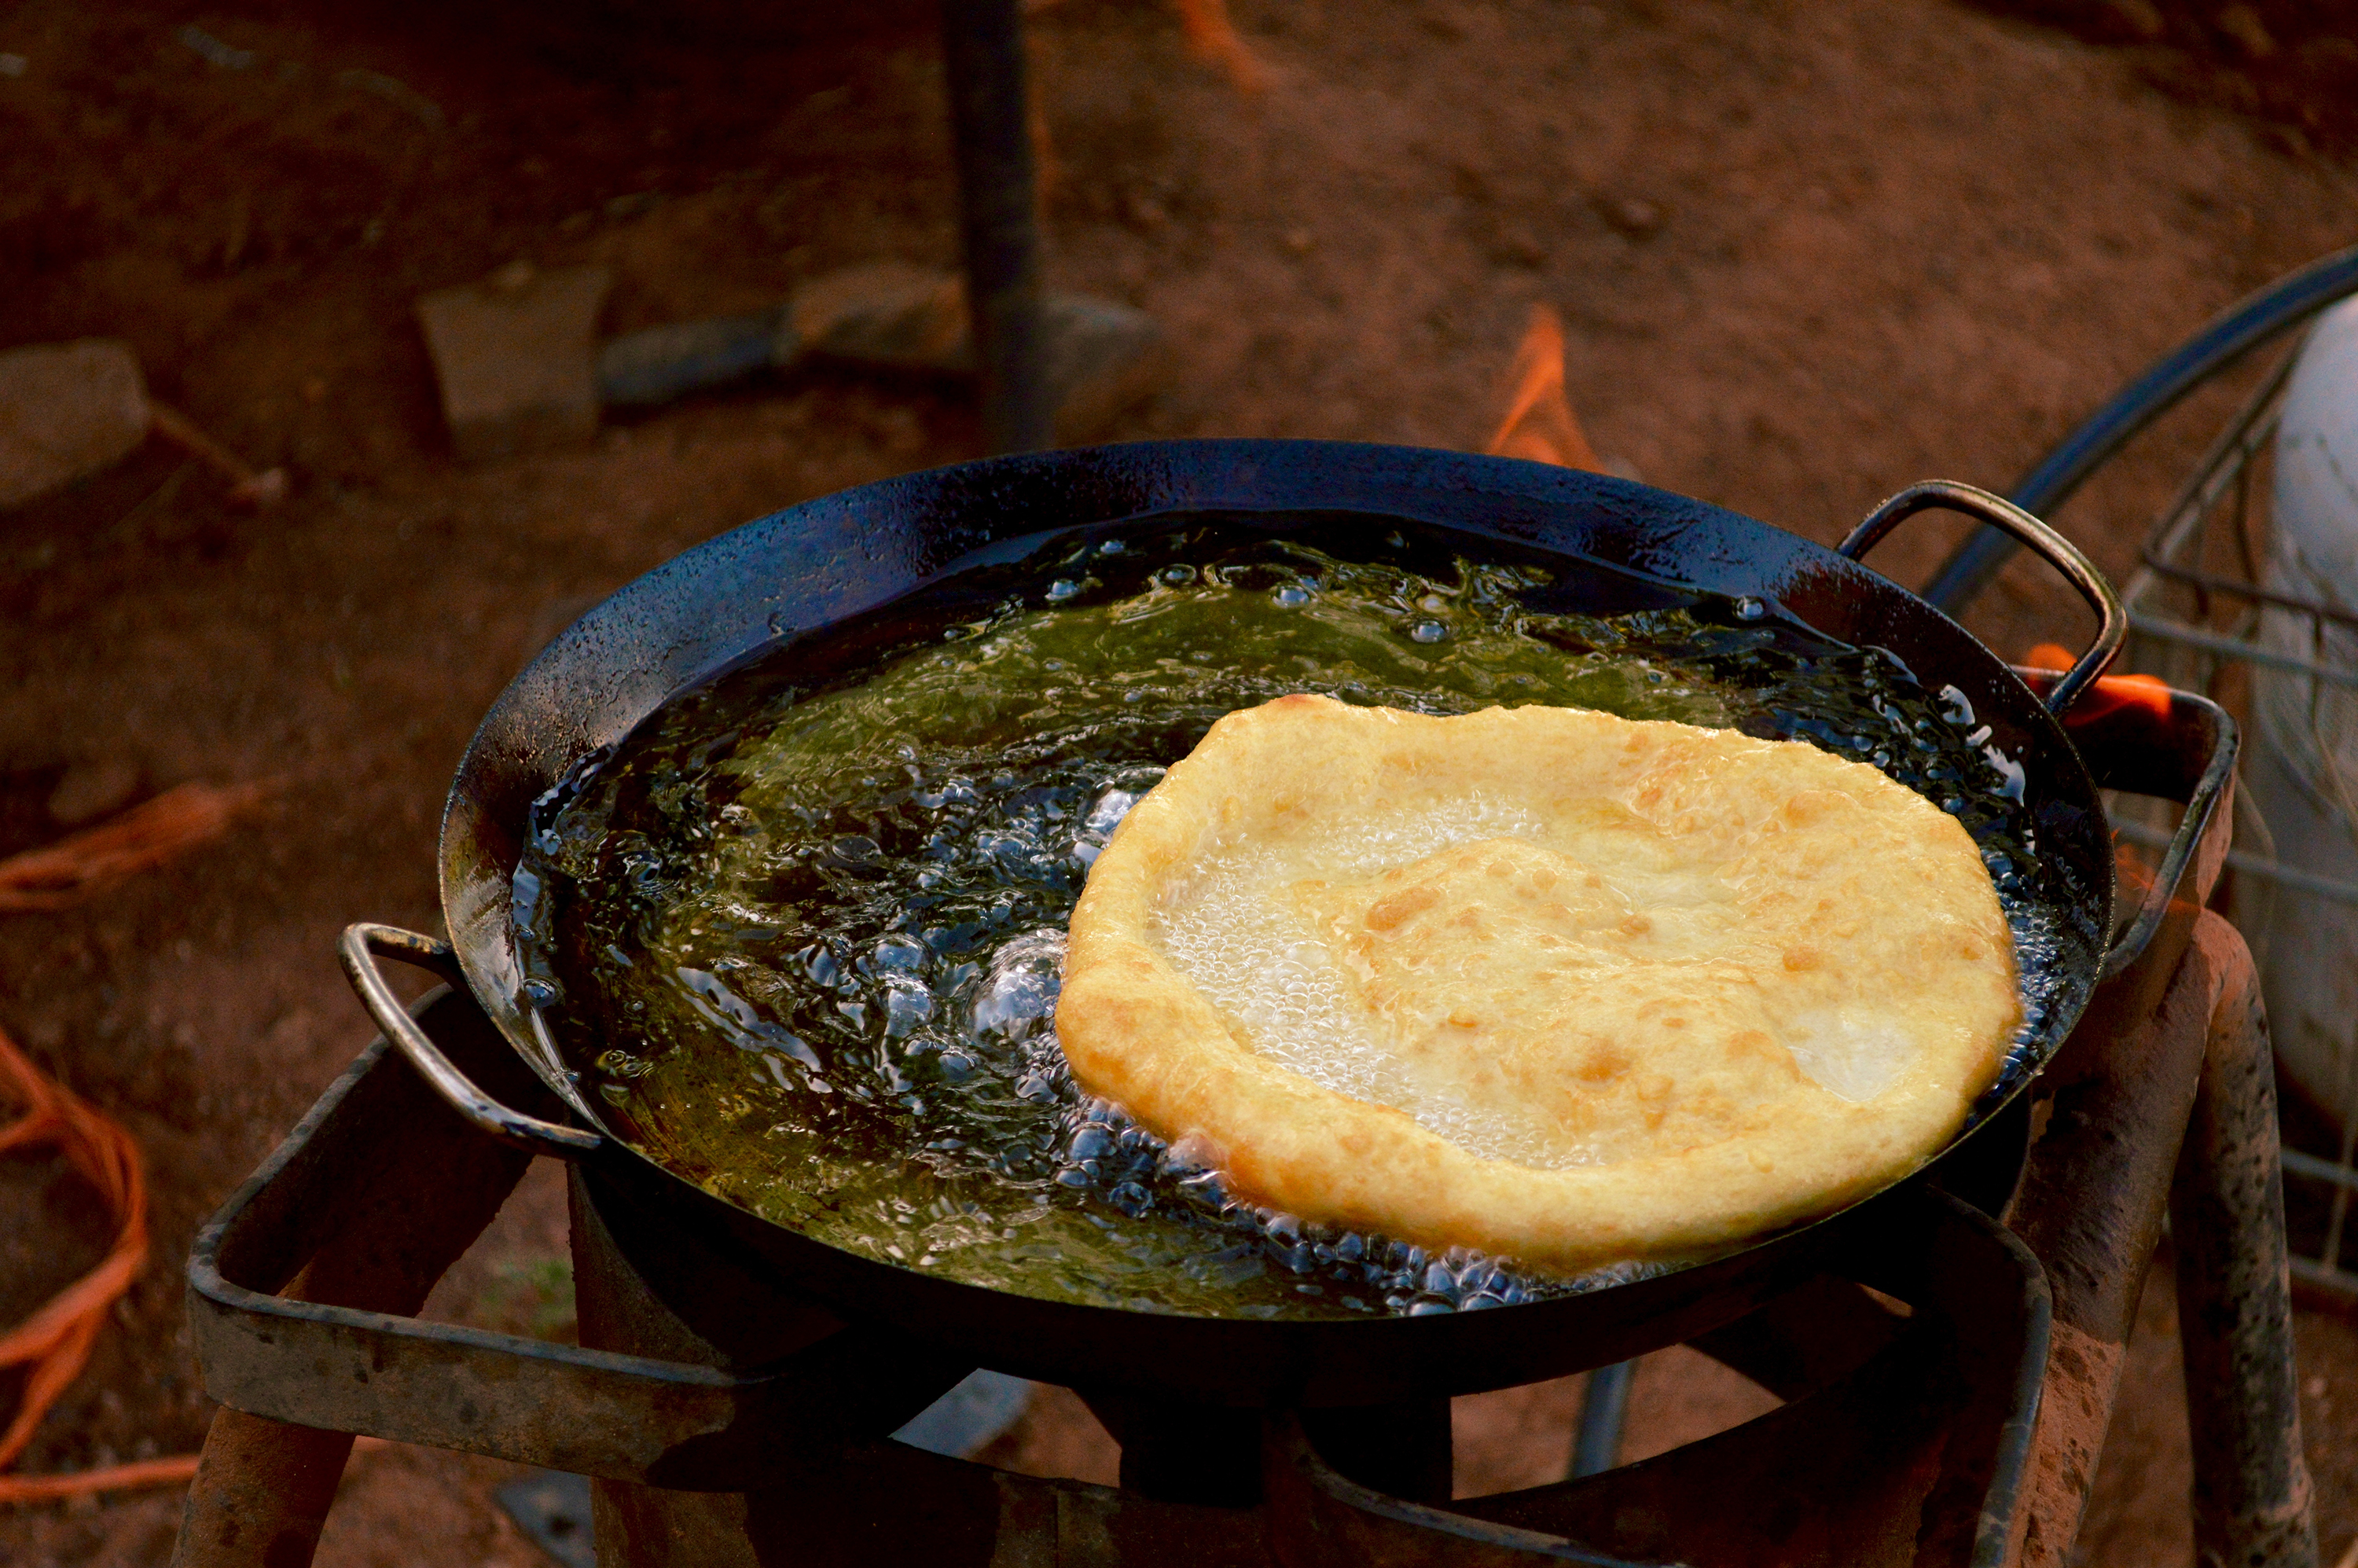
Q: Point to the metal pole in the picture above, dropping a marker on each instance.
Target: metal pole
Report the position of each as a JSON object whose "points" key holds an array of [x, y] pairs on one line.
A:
{"points": [[982, 45], [1597, 1440], [2235, 1304]]}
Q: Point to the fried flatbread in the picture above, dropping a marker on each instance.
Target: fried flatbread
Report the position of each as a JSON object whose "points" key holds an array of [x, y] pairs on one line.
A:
{"points": [[1562, 987]]}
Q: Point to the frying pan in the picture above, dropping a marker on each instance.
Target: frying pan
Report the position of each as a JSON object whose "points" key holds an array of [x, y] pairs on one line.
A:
{"points": [[812, 566]]}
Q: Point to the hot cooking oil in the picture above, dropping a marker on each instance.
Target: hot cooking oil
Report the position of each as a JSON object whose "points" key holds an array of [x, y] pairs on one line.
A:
{"points": [[802, 930]]}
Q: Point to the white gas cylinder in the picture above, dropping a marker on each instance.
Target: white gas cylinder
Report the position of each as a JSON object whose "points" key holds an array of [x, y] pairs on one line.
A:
{"points": [[2300, 763]]}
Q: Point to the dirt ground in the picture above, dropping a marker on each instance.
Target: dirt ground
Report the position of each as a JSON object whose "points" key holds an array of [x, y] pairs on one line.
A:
{"points": [[1805, 254]]}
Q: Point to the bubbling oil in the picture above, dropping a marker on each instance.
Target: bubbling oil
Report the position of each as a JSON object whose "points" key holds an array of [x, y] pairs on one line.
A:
{"points": [[801, 932]]}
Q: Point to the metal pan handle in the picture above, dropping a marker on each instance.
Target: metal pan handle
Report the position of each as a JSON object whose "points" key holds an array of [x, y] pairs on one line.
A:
{"points": [[2187, 844], [361, 946], [1947, 495]]}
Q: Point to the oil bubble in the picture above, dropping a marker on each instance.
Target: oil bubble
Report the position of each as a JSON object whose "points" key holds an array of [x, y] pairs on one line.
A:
{"points": [[1428, 631], [900, 955], [1018, 993], [907, 1004]]}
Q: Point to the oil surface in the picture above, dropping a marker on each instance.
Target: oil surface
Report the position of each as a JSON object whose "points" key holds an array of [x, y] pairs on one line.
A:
{"points": [[801, 932]]}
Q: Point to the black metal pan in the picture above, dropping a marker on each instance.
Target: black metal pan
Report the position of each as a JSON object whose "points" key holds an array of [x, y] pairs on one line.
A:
{"points": [[814, 565]]}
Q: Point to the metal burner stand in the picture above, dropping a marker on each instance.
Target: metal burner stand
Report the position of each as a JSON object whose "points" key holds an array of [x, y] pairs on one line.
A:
{"points": [[2198, 607], [1947, 1380]]}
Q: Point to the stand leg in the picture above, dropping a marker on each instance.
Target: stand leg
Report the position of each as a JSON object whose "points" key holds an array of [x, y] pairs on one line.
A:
{"points": [[1597, 1440], [263, 1487], [406, 1190], [262, 1493], [1400, 1450], [982, 45], [2234, 1307]]}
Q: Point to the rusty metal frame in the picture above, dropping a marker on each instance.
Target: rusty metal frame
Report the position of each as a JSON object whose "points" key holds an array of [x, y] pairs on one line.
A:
{"points": [[805, 1427], [1929, 1432], [2011, 1494], [1955, 1456], [2190, 626], [2252, 1499], [324, 1364]]}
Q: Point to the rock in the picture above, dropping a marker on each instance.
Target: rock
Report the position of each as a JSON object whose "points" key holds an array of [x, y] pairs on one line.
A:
{"points": [[1632, 215], [289, 1029], [516, 358], [90, 790], [67, 410], [646, 368], [888, 314], [1102, 357]]}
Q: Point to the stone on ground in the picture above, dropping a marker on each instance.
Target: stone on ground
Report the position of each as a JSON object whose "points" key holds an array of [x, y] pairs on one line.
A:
{"points": [[1101, 356], [887, 314], [67, 411], [517, 359]]}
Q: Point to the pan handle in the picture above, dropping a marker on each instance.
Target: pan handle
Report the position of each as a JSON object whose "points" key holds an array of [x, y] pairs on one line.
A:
{"points": [[361, 946], [2186, 846], [2111, 620]]}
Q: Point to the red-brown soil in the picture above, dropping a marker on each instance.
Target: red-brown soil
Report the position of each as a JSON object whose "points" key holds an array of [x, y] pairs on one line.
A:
{"points": [[1805, 254], [2292, 64]]}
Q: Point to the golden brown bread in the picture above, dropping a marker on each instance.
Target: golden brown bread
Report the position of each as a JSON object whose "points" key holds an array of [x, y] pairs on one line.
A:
{"points": [[1555, 985]]}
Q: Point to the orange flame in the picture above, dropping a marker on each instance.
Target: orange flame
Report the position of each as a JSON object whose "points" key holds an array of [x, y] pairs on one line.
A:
{"points": [[1539, 423], [1213, 37], [2111, 691]]}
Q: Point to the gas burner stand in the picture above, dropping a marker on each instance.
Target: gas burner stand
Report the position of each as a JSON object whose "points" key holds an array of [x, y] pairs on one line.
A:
{"points": [[1949, 1370]]}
